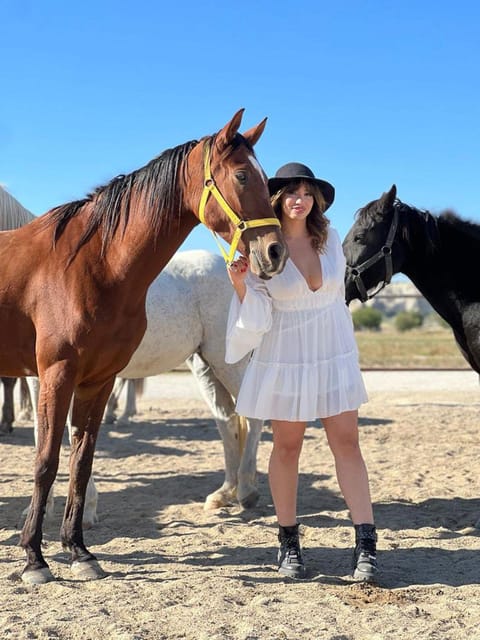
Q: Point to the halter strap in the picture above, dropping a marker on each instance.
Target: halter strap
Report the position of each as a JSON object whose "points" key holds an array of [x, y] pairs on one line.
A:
{"points": [[384, 252], [210, 188]]}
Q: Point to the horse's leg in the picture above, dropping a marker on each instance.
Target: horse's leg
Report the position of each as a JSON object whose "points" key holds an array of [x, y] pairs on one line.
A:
{"points": [[221, 405], [134, 390], [88, 407], [112, 404], [53, 403], [90, 516], [131, 403], [33, 386], [239, 483], [26, 408], [251, 431], [8, 413]]}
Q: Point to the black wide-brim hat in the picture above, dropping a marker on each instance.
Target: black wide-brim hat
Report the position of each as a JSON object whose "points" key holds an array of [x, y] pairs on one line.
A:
{"points": [[297, 171]]}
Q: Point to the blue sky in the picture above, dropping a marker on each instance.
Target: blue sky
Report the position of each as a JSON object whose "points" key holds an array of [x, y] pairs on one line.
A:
{"points": [[366, 93]]}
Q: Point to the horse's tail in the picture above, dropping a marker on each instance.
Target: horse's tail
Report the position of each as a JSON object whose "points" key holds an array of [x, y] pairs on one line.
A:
{"points": [[139, 385], [242, 432]]}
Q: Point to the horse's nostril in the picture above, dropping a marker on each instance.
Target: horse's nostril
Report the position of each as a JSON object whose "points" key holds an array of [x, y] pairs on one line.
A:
{"points": [[275, 251]]}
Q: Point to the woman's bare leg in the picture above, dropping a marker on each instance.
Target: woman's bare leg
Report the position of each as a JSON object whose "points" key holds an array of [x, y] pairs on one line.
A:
{"points": [[283, 468], [342, 435]]}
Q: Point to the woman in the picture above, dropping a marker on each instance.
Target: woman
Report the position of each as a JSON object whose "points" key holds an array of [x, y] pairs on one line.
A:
{"points": [[305, 361]]}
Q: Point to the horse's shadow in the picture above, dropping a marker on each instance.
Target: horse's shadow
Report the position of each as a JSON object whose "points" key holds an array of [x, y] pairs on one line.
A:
{"points": [[115, 440], [399, 568], [153, 492], [363, 421], [148, 437], [146, 434], [21, 436], [421, 566], [137, 505], [424, 565]]}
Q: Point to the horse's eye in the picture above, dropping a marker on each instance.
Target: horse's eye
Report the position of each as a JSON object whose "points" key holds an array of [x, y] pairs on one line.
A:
{"points": [[358, 237], [241, 176]]}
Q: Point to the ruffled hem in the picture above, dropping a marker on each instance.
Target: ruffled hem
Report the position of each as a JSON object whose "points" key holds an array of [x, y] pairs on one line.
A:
{"points": [[301, 392]]}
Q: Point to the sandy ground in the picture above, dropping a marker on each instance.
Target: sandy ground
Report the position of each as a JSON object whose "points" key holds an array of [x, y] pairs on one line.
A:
{"points": [[176, 571]]}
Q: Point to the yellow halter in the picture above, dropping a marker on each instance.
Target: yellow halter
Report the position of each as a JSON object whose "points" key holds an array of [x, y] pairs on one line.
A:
{"points": [[211, 188]]}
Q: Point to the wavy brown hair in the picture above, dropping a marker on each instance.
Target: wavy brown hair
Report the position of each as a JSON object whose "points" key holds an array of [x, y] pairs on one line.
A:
{"points": [[317, 221]]}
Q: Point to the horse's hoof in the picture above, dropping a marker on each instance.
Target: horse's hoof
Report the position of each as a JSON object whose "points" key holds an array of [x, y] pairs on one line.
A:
{"points": [[90, 521], [217, 501], [38, 576], [88, 570], [250, 501], [25, 416]]}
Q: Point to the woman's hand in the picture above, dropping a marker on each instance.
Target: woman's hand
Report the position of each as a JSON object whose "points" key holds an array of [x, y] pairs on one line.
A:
{"points": [[237, 271]]}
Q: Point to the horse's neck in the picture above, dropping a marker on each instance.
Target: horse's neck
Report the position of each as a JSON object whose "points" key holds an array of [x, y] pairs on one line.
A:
{"points": [[141, 254], [430, 271]]}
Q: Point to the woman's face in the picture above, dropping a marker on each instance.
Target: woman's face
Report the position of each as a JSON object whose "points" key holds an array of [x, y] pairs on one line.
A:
{"points": [[297, 201]]}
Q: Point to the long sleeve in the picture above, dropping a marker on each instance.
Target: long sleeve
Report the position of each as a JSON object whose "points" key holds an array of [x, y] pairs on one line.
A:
{"points": [[247, 320], [336, 249]]}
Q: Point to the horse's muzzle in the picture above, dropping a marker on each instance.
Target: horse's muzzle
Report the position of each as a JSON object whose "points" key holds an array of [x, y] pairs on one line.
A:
{"points": [[269, 262]]}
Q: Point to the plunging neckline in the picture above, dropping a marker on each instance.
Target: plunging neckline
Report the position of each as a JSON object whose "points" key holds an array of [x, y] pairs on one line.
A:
{"points": [[303, 277]]}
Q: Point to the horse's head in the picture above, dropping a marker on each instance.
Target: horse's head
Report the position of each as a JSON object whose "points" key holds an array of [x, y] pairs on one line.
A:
{"points": [[370, 249], [235, 201]]}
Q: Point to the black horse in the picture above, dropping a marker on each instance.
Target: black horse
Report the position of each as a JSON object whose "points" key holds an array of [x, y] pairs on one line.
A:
{"points": [[439, 254]]}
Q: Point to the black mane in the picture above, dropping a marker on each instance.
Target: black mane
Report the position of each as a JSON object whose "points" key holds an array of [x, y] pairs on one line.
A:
{"points": [[156, 182], [465, 230], [372, 213]]}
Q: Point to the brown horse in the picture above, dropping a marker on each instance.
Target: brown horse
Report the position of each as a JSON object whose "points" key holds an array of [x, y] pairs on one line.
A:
{"points": [[72, 297]]}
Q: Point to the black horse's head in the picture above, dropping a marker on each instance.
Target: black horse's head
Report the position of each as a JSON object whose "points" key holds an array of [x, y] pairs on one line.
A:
{"points": [[371, 253]]}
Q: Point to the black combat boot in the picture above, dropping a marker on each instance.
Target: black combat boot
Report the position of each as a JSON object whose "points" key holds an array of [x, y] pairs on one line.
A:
{"points": [[365, 553], [290, 561]]}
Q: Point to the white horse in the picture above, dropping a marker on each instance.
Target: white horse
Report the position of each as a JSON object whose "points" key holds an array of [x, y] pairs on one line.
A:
{"points": [[187, 308], [12, 213], [12, 216]]}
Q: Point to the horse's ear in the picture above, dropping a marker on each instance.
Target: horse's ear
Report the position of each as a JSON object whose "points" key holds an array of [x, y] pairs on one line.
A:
{"points": [[252, 135], [388, 198], [225, 136]]}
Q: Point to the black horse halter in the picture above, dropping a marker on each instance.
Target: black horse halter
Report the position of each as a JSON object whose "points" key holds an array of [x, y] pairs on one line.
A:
{"points": [[386, 253]]}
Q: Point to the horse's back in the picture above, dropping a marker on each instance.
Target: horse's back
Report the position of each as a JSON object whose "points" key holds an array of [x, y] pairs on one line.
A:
{"points": [[196, 263]]}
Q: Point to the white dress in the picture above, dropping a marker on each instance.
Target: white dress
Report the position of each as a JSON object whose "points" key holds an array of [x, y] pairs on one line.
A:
{"points": [[304, 363]]}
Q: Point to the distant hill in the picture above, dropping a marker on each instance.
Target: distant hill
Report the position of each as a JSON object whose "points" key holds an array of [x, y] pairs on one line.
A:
{"points": [[396, 297]]}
